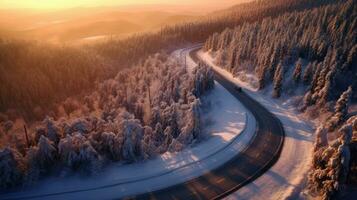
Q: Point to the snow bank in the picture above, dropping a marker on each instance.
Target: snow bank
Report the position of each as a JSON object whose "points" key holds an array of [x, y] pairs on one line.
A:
{"points": [[184, 56], [230, 130], [287, 177]]}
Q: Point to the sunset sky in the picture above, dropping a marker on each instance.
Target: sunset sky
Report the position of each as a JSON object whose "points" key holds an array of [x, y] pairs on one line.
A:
{"points": [[62, 4]]}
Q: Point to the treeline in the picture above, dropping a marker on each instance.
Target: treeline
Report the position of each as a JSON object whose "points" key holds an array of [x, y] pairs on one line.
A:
{"points": [[142, 112], [315, 48], [311, 54], [169, 37], [34, 77]]}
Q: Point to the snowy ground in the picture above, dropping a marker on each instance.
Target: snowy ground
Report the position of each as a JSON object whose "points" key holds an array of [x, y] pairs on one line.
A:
{"points": [[287, 177], [230, 130]]}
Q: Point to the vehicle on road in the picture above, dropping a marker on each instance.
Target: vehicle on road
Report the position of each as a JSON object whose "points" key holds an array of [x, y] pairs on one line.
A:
{"points": [[239, 89]]}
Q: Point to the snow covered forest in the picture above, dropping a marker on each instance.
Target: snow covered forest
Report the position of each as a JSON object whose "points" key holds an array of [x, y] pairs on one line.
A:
{"points": [[88, 116], [314, 48], [142, 112], [311, 57], [75, 69], [120, 101]]}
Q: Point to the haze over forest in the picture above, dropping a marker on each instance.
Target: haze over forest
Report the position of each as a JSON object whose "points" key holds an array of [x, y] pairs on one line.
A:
{"points": [[68, 21]]}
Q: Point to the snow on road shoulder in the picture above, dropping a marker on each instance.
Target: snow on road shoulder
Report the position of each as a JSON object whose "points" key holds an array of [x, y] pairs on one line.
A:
{"points": [[287, 177], [230, 128]]}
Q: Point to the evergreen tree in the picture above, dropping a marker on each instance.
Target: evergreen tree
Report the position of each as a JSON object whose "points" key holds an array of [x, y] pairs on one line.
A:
{"points": [[111, 145], [274, 62], [297, 70], [341, 110], [308, 73], [278, 81], [342, 103], [261, 78], [78, 154], [46, 154], [12, 168]]}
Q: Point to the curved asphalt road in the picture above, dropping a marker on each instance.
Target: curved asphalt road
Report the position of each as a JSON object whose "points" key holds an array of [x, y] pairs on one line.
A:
{"points": [[263, 151], [261, 154]]}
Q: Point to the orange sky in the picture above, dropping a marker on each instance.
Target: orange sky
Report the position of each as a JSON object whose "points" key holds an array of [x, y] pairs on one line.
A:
{"points": [[61, 4]]}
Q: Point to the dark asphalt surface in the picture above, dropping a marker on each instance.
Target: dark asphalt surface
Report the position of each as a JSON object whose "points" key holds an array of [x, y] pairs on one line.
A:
{"points": [[262, 153], [245, 167]]}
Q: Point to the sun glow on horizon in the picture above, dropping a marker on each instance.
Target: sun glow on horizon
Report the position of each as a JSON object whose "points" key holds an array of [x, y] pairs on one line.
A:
{"points": [[63, 4], [58, 4]]}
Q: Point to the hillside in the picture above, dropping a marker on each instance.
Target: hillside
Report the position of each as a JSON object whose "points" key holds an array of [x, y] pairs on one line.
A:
{"points": [[307, 59], [112, 55], [132, 117], [321, 40], [64, 26]]}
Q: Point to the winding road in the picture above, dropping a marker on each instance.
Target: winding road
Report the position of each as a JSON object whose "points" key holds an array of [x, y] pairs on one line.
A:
{"points": [[261, 154]]}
